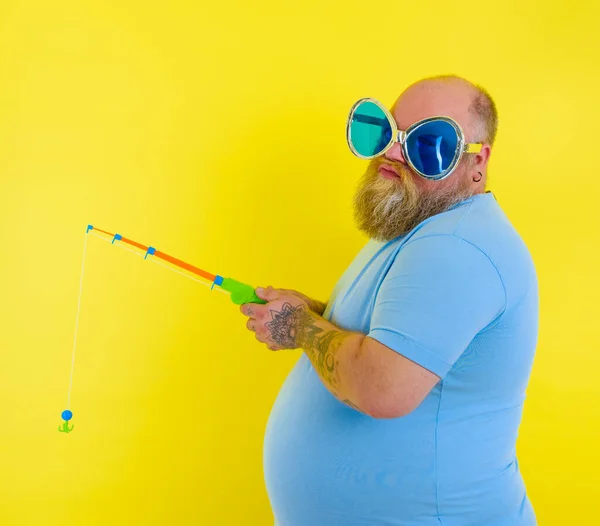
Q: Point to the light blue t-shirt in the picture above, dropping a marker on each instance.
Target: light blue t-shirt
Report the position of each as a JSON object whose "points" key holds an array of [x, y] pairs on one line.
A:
{"points": [[458, 295]]}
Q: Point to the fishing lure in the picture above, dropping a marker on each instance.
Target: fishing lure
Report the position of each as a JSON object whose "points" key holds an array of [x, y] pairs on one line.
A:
{"points": [[240, 293]]}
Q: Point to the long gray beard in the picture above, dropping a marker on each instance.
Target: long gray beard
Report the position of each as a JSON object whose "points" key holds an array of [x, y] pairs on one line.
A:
{"points": [[385, 209]]}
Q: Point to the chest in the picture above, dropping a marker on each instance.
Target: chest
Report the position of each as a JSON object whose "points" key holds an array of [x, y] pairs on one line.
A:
{"points": [[353, 298]]}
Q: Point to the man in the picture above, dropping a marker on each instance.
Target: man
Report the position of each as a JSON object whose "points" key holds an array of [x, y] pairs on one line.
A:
{"points": [[405, 406]]}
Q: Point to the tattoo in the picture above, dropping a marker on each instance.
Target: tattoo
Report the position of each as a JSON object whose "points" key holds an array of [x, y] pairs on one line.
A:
{"points": [[294, 327], [323, 353], [284, 325]]}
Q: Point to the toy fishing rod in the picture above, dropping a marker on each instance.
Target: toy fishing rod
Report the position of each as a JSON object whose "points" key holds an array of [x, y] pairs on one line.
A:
{"points": [[240, 293]]}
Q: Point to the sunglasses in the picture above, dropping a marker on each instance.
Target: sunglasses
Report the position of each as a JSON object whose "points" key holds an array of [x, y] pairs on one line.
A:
{"points": [[432, 147]]}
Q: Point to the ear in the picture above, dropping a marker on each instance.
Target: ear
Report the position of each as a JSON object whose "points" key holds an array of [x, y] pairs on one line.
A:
{"points": [[481, 159]]}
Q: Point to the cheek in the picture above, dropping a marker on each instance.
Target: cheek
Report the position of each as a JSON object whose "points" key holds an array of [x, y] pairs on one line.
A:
{"points": [[445, 185], [422, 184], [460, 179]]}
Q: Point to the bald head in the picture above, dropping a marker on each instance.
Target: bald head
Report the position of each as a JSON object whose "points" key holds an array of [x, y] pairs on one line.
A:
{"points": [[452, 96]]}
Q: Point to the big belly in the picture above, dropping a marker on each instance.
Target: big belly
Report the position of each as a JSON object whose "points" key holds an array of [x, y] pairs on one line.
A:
{"points": [[327, 464]]}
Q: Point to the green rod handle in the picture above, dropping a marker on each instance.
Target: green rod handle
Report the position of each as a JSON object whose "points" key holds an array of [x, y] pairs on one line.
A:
{"points": [[240, 292]]}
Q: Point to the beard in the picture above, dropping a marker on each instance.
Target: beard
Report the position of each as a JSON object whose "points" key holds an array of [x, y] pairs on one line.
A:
{"points": [[388, 208]]}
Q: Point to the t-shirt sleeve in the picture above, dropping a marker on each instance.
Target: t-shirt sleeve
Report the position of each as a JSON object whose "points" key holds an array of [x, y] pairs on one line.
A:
{"points": [[438, 294]]}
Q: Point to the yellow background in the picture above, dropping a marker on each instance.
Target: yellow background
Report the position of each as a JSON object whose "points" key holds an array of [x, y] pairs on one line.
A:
{"points": [[215, 132]]}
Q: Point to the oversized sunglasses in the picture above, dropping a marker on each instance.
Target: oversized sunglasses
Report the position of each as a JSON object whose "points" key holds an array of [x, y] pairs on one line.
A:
{"points": [[432, 147]]}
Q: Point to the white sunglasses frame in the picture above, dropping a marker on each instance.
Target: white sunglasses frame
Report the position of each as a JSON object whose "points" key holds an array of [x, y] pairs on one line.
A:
{"points": [[400, 136]]}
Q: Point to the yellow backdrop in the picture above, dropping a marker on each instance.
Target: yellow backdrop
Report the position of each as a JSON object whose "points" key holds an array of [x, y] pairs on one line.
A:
{"points": [[215, 132]]}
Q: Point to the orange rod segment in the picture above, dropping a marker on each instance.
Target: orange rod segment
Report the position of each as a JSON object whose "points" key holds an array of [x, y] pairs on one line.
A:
{"points": [[104, 232], [134, 243], [124, 240], [165, 257], [185, 266]]}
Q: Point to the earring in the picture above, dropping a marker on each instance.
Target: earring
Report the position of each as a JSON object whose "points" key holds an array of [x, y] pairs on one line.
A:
{"points": [[480, 176]]}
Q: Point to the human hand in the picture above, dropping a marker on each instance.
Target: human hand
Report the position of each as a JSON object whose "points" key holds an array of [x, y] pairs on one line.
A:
{"points": [[279, 322], [316, 306]]}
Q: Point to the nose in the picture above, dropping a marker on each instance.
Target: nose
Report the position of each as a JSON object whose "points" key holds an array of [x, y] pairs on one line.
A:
{"points": [[395, 154]]}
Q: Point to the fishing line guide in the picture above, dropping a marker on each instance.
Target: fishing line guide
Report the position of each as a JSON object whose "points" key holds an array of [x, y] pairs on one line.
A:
{"points": [[240, 293]]}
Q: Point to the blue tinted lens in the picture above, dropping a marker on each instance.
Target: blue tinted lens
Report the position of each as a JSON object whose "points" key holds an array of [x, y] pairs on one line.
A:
{"points": [[370, 131], [432, 147]]}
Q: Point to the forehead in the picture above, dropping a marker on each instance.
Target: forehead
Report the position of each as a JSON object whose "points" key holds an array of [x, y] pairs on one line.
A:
{"points": [[429, 99]]}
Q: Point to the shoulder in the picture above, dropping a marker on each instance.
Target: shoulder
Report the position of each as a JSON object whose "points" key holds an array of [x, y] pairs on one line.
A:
{"points": [[478, 221], [478, 230]]}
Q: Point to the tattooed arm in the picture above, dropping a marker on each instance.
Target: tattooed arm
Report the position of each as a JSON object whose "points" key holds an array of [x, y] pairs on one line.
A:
{"points": [[333, 352], [297, 323], [358, 370], [314, 305]]}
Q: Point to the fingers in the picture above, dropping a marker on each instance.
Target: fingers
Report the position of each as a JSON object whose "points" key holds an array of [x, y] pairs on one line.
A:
{"points": [[257, 312], [248, 310], [271, 294], [268, 294], [253, 310], [262, 338]]}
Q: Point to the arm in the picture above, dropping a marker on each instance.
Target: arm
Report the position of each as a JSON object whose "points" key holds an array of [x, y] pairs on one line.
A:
{"points": [[358, 370], [333, 353], [427, 311], [362, 372], [319, 307], [316, 306]]}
